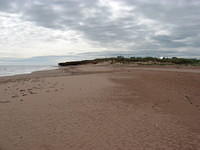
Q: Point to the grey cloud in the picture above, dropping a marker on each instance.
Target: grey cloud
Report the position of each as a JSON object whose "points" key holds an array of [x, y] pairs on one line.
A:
{"points": [[167, 41], [179, 17], [5, 5]]}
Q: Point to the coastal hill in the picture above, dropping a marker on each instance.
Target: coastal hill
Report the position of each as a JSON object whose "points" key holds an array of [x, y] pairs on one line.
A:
{"points": [[136, 60]]}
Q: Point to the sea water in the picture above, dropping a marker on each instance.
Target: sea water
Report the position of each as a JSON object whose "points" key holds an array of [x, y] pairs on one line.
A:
{"points": [[8, 70]]}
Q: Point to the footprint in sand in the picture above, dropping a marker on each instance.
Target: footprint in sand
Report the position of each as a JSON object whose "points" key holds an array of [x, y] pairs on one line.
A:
{"points": [[22, 90], [4, 101], [36, 87], [31, 92], [198, 107], [15, 96], [188, 99], [24, 94]]}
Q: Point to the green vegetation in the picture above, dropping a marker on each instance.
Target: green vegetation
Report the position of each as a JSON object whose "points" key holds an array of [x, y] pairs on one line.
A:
{"points": [[137, 60]]}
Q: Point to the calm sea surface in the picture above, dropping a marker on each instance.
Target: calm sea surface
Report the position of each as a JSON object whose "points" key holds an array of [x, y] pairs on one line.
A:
{"points": [[8, 70]]}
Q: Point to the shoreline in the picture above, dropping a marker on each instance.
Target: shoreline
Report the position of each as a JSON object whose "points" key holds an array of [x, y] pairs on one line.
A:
{"points": [[43, 68], [59, 69], [94, 106]]}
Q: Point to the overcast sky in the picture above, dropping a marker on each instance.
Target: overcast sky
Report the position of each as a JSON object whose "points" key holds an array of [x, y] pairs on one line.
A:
{"points": [[66, 27]]}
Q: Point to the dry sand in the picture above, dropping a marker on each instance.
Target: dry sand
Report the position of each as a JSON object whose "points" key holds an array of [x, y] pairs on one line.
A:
{"points": [[101, 107]]}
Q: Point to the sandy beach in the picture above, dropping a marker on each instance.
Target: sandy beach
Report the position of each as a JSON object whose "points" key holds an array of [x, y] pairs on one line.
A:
{"points": [[102, 107]]}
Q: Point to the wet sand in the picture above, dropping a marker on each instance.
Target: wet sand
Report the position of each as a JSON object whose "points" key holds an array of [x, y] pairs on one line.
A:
{"points": [[95, 107]]}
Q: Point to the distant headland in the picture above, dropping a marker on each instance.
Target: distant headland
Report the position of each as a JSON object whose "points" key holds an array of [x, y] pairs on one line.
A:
{"points": [[137, 60]]}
